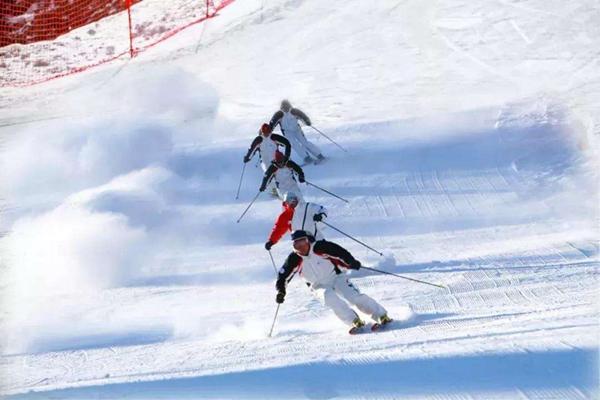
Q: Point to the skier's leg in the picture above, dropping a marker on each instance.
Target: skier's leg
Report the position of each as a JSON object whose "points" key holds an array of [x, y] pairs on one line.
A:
{"points": [[292, 186], [296, 189], [313, 149], [310, 147], [341, 309], [272, 185], [299, 144], [363, 302], [264, 165], [285, 183]]}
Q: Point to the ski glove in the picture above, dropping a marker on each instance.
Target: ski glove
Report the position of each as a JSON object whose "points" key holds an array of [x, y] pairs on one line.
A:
{"points": [[280, 297], [319, 217], [246, 158], [268, 245], [301, 179], [355, 265]]}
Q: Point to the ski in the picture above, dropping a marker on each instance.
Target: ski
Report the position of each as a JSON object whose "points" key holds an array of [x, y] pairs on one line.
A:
{"points": [[376, 327], [319, 160], [369, 328]]}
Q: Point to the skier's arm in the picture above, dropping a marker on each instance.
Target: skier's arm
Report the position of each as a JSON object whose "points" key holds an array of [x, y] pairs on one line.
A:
{"points": [[281, 225], [268, 176], [253, 147], [300, 114], [297, 169], [275, 119], [335, 251], [286, 271], [281, 140]]}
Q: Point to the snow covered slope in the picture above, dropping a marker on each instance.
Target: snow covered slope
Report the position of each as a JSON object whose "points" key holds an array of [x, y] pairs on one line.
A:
{"points": [[471, 130]]}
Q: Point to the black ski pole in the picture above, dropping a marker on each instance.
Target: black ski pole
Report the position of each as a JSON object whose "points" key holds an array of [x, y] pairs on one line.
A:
{"points": [[249, 205], [403, 277], [356, 240], [274, 319], [273, 261], [331, 140], [240, 185], [326, 191]]}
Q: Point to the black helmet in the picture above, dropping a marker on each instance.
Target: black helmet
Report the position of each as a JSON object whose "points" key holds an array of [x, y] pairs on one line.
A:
{"points": [[285, 105], [299, 234]]}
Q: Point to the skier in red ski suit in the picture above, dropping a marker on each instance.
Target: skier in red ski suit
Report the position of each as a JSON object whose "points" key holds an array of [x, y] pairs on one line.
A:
{"points": [[297, 215]]}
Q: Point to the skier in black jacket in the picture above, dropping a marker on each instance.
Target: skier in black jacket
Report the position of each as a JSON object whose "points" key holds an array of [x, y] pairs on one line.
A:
{"points": [[267, 144], [284, 174], [320, 263]]}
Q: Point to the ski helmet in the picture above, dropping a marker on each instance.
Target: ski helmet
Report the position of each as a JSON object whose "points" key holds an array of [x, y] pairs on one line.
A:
{"points": [[265, 129], [301, 242], [285, 105], [299, 234], [290, 197]]}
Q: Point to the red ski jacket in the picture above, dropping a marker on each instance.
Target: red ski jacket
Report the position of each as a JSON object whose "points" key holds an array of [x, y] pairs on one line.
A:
{"points": [[283, 224]]}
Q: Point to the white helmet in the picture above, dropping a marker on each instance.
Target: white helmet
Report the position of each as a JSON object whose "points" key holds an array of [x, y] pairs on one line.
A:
{"points": [[285, 105], [290, 197]]}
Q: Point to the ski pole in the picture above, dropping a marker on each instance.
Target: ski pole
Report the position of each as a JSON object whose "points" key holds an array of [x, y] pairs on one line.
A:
{"points": [[273, 261], [240, 185], [356, 240], [326, 191], [403, 277], [331, 140], [249, 205], [274, 319]]}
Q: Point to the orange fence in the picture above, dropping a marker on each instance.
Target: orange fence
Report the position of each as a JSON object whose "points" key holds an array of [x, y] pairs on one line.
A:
{"points": [[42, 40]]}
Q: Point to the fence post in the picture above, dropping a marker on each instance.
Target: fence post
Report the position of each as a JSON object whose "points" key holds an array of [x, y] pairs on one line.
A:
{"points": [[128, 5]]}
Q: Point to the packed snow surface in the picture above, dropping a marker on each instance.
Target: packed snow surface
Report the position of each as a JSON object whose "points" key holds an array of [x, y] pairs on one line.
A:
{"points": [[471, 134]]}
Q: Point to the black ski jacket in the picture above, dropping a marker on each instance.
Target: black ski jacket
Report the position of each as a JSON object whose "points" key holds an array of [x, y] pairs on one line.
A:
{"points": [[336, 254], [270, 172], [278, 139]]}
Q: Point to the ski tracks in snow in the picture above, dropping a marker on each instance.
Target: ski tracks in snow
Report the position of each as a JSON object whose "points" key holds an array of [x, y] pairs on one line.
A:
{"points": [[515, 285]]}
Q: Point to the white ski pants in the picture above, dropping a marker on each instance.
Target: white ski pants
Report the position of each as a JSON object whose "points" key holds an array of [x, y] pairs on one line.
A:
{"points": [[285, 183], [337, 294], [300, 144]]}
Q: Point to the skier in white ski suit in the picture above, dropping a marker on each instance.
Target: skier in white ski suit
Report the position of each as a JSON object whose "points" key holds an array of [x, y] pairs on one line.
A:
{"points": [[319, 262], [282, 173], [287, 117], [267, 145], [297, 215]]}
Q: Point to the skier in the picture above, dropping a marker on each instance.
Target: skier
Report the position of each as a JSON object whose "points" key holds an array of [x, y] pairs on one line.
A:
{"points": [[319, 262], [287, 117], [267, 144], [306, 219], [281, 171]]}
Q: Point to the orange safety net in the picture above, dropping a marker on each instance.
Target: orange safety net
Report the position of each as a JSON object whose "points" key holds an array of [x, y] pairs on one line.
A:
{"points": [[45, 39]]}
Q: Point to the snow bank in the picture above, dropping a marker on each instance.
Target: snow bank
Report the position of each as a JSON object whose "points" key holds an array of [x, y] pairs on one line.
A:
{"points": [[73, 249], [98, 194]]}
